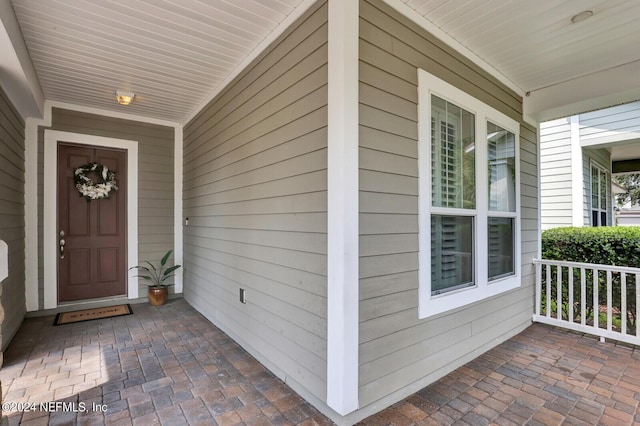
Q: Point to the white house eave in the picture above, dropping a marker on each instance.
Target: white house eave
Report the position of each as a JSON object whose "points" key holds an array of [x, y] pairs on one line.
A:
{"points": [[613, 86], [17, 75]]}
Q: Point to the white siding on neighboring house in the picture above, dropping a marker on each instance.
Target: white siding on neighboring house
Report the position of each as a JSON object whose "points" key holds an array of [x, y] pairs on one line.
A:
{"points": [[616, 124], [556, 174], [255, 194], [602, 129], [569, 148], [628, 217], [399, 353]]}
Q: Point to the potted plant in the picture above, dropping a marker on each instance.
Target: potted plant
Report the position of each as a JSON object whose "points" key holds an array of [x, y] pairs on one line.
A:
{"points": [[156, 277]]}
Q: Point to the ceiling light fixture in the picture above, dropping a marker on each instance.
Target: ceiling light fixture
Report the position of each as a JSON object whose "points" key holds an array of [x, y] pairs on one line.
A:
{"points": [[124, 98], [582, 16]]}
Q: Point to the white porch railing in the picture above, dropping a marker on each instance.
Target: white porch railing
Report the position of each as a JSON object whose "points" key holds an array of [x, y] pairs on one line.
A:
{"points": [[602, 300]]}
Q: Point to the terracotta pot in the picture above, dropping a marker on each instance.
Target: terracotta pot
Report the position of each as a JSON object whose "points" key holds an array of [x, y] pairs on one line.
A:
{"points": [[158, 295]]}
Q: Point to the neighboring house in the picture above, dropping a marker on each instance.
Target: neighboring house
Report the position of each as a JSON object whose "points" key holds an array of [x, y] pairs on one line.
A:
{"points": [[578, 156], [628, 217], [627, 214], [375, 196]]}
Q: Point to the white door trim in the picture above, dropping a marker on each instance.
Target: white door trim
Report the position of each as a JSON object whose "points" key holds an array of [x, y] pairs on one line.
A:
{"points": [[50, 237]]}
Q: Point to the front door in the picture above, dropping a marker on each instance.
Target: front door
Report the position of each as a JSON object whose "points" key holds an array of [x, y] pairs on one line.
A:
{"points": [[91, 234]]}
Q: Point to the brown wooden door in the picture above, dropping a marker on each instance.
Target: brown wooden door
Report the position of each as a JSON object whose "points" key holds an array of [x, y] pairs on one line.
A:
{"points": [[93, 264]]}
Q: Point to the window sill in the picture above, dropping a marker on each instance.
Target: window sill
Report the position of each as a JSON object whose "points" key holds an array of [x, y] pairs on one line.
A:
{"points": [[431, 305]]}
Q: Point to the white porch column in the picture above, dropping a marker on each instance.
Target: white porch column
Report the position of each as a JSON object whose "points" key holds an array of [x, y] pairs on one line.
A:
{"points": [[342, 226]]}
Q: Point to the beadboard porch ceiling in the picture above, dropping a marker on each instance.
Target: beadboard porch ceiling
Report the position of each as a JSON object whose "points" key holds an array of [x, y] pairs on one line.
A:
{"points": [[175, 54]]}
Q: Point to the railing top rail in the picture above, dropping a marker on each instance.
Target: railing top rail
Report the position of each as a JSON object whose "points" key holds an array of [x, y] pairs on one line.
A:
{"points": [[626, 269]]}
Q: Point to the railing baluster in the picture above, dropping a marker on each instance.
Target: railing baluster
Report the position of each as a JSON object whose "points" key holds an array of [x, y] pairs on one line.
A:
{"points": [[570, 291], [637, 304], [609, 301], [559, 293], [548, 287], [596, 297], [538, 287], [583, 296], [623, 302]]}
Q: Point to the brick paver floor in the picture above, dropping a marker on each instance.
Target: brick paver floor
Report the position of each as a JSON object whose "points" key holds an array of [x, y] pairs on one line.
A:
{"points": [[169, 365], [543, 376], [162, 365]]}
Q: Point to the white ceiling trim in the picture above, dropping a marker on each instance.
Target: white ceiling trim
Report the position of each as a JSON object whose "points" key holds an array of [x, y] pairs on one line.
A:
{"points": [[413, 15], [108, 113], [264, 44]]}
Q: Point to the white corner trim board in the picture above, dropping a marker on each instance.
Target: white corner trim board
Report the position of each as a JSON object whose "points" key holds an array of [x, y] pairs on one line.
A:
{"points": [[342, 203], [50, 241]]}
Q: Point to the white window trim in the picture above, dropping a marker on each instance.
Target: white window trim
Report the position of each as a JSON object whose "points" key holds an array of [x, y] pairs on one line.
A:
{"points": [[430, 305], [602, 169]]}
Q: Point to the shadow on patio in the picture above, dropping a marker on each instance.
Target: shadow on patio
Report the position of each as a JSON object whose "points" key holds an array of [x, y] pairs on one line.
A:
{"points": [[169, 365]]}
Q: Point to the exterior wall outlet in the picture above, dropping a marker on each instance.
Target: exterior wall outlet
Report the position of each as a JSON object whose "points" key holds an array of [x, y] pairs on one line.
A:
{"points": [[243, 296]]}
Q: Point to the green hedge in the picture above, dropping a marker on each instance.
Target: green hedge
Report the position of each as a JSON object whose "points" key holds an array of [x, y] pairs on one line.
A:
{"points": [[607, 245]]}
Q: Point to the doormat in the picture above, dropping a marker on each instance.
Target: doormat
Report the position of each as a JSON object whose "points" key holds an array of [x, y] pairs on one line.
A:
{"points": [[92, 314]]}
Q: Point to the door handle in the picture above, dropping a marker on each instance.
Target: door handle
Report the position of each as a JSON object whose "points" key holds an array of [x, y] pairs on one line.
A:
{"points": [[62, 243]]}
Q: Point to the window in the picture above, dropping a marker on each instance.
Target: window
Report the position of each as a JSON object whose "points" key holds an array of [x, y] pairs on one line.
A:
{"points": [[599, 196], [501, 151], [452, 187], [468, 198]]}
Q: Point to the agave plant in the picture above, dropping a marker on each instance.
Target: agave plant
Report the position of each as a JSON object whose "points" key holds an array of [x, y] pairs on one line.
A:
{"points": [[157, 276]]}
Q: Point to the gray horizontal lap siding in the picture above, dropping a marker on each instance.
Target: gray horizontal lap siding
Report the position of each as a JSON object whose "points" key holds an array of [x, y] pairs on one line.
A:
{"points": [[12, 225], [255, 193], [398, 350], [155, 177]]}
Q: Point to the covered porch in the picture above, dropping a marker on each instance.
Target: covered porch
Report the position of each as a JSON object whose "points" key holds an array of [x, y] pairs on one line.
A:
{"points": [[170, 365], [277, 151]]}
